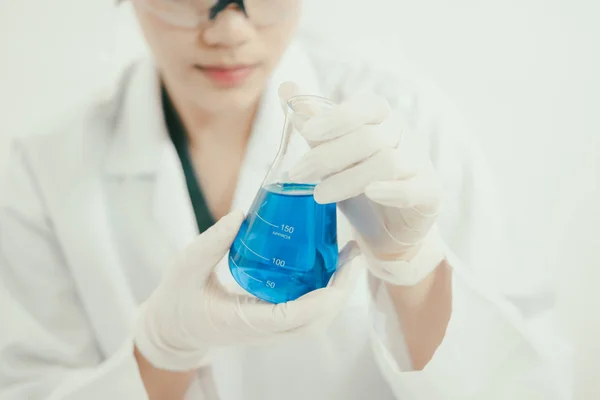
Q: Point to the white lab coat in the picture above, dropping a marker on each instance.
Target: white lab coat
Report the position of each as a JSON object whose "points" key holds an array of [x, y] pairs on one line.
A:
{"points": [[96, 206]]}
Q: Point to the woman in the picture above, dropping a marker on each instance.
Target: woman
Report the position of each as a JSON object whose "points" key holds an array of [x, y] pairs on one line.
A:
{"points": [[96, 209]]}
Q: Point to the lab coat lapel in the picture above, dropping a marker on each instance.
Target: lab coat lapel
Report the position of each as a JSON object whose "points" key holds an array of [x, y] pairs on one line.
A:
{"points": [[172, 207], [82, 223], [99, 274], [143, 150]]}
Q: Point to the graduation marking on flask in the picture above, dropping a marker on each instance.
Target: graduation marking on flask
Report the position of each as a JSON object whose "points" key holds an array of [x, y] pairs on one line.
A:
{"points": [[287, 245], [252, 251], [244, 272]]}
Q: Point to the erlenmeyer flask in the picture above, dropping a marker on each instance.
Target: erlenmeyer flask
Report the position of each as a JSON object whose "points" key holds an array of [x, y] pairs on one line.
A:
{"points": [[287, 245]]}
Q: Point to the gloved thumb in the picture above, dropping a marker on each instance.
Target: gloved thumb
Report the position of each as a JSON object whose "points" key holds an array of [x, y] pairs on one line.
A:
{"points": [[347, 273], [303, 110], [286, 91], [210, 247]]}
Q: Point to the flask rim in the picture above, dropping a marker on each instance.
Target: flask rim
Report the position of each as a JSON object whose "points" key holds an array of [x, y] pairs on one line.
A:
{"points": [[293, 101]]}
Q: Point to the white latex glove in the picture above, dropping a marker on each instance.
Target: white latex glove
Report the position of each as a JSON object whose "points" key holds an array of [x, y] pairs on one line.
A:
{"points": [[190, 311], [381, 175]]}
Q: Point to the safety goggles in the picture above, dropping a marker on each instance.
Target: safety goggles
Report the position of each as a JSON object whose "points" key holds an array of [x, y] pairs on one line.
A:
{"points": [[196, 13]]}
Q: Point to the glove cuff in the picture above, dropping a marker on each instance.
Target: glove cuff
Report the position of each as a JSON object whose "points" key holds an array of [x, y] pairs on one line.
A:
{"points": [[410, 272], [161, 355]]}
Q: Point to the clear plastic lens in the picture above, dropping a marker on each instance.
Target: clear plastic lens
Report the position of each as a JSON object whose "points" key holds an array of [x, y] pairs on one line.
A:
{"points": [[194, 13], [184, 13], [180, 6], [268, 12]]}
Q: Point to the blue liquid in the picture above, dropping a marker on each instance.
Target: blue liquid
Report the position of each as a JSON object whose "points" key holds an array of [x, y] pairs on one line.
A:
{"points": [[287, 246]]}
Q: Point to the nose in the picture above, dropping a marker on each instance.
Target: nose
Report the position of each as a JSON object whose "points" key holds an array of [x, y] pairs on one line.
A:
{"points": [[230, 28]]}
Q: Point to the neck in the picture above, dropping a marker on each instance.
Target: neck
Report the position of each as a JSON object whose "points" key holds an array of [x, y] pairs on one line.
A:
{"points": [[230, 127]]}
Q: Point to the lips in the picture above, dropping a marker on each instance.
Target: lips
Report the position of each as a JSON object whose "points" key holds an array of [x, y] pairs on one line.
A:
{"points": [[227, 75]]}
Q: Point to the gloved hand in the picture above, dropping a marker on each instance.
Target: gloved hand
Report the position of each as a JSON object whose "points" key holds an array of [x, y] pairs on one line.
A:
{"points": [[382, 177], [190, 311]]}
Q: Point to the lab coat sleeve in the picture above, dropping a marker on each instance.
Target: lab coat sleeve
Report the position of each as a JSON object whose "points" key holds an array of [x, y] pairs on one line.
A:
{"points": [[47, 348], [503, 340]]}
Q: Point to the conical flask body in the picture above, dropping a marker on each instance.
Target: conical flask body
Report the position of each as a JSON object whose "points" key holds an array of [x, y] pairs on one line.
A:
{"points": [[287, 245]]}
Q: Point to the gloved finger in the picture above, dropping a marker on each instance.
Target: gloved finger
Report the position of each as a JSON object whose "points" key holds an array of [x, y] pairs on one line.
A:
{"points": [[350, 251], [345, 151], [305, 108], [423, 193], [211, 246], [346, 274], [384, 165], [266, 319], [344, 280], [346, 117], [286, 91]]}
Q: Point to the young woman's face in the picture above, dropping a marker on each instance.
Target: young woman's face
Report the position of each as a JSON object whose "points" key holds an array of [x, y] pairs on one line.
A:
{"points": [[218, 64]]}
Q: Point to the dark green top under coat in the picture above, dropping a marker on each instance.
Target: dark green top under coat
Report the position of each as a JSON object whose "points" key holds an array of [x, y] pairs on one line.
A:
{"points": [[178, 134]]}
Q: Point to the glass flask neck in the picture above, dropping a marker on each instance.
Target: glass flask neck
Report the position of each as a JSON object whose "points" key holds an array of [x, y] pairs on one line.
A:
{"points": [[293, 145]]}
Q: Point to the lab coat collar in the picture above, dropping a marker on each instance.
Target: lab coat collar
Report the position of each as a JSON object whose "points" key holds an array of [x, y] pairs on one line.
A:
{"points": [[141, 135]]}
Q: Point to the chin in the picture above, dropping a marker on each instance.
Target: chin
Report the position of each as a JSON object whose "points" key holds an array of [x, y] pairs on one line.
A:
{"points": [[234, 99]]}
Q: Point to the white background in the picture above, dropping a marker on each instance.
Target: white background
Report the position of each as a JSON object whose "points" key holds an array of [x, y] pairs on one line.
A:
{"points": [[526, 73]]}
